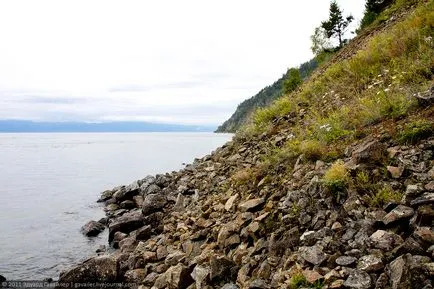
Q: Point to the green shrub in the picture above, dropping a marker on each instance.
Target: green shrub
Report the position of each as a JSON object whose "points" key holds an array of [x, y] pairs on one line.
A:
{"points": [[365, 185], [367, 19], [312, 149], [415, 131], [297, 281], [263, 116], [336, 177], [293, 81], [385, 195], [245, 177], [362, 179], [333, 127]]}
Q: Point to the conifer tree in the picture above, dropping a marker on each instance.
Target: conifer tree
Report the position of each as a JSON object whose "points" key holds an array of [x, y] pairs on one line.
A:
{"points": [[336, 25]]}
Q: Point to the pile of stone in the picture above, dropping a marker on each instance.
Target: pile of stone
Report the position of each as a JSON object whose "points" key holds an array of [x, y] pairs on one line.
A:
{"points": [[194, 229]]}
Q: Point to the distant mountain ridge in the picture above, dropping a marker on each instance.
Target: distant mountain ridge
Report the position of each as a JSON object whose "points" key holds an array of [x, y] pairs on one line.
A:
{"points": [[122, 126]]}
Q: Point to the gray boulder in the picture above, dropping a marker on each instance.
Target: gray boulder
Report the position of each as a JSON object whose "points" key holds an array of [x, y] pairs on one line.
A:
{"points": [[399, 213], [313, 255], [370, 263], [221, 268], [128, 222], [152, 189], [144, 233], [126, 193], [385, 240], [92, 228], [99, 269], [153, 203], [145, 183], [175, 277], [358, 280], [230, 286], [106, 195], [251, 205], [345, 260], [369, 152]]}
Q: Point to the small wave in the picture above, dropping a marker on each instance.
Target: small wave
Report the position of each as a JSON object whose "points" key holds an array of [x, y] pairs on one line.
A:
{"points": [[70, 213]]}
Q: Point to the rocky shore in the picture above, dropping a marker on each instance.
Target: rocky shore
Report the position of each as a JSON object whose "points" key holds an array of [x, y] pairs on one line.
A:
{"points": [[196, 228]]}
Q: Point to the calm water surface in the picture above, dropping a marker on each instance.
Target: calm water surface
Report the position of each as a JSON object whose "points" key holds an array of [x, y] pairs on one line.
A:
{"points": [[49, 184]]}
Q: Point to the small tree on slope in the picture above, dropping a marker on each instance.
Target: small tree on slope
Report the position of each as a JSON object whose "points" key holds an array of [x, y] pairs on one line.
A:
{"points": [[293, 81], [336, 25]]}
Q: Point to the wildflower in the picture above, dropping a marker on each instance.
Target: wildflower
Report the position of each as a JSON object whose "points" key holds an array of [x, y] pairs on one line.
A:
{"points": [[326, 127]]}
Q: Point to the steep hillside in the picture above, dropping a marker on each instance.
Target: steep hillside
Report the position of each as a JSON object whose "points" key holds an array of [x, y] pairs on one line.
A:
{"points": [[263, 98], [329, 187]]}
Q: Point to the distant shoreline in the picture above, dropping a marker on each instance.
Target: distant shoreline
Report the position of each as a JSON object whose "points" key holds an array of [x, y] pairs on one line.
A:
{"points": [[28, 126]]}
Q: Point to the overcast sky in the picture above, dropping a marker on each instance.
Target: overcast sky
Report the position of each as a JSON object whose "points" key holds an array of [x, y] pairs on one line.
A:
{"points": [[189, 62]]}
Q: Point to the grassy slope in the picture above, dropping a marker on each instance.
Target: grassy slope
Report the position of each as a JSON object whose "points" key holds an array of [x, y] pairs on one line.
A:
{"points": [[354, 97], [378, 82], [266, 96]]}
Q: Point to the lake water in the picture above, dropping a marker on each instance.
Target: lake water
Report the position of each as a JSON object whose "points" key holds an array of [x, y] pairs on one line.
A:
{"points": [[49, 184]]}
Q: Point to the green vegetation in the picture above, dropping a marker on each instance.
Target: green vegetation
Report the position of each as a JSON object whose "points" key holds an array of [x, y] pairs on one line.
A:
{"points": [[375, 84], [244, 177], [281, 107], [292, 81], [377, 11], [378, 79], [416, 131], [312, 149], [297, 281], [383, 196], [363, 181], [266, 96], [336, 25], [344, 102], [320, 41], [369, 92], [336, 177], [373, 8]]}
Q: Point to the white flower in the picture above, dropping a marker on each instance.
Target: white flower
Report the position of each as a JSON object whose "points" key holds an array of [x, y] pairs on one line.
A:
{"points": [[326, 127]]}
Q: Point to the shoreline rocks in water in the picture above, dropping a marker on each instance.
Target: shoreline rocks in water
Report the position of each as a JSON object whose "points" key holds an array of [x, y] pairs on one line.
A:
{"points": [[92, 228], [193, 229], [98, 269]]}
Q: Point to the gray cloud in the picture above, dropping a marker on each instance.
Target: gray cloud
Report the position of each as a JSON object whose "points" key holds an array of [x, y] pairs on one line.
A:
{"points": [[187, 64]]}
